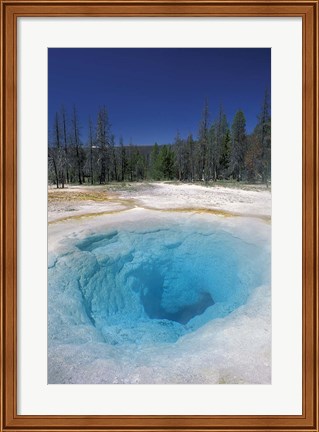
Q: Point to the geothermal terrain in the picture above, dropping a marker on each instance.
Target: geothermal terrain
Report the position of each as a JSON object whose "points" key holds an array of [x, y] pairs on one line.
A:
{"points": [[163, 283]]}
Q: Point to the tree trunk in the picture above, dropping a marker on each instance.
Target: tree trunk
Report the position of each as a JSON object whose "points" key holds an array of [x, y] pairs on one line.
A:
{"points": [[56, 174], [79, 164]]}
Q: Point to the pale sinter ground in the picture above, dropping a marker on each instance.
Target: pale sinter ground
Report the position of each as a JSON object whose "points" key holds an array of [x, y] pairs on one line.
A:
{"points": [[233, 349], [85, 199]]}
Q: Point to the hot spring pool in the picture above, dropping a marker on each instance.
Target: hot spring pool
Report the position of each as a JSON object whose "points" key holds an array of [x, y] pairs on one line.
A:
{"points": [[142, 286]]}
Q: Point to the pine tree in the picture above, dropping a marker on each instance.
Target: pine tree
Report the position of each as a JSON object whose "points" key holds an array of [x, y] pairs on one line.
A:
{"points": [[191, 157], [56, 154], [167, 162], [203, 143], [77, 145], [263, 136], [113, 158], [155, 163], [66, 144], [103, 140], [91, 145], [123, 160], [225, 156], [239, 145], [253, 158], [179, 155], [222, 131]]}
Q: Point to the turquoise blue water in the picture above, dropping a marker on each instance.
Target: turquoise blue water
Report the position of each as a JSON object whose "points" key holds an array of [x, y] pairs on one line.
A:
{"points": [[154, 285]]}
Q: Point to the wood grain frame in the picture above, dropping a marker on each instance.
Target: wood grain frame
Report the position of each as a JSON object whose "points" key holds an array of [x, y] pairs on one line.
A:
{"points": [[11, 10]]}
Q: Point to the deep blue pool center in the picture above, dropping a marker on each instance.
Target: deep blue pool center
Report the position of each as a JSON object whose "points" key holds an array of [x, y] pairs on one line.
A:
{"points": [[154, 285]]}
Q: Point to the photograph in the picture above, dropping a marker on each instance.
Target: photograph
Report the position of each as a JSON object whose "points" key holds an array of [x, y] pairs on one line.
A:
{"points": [[159, 216]]}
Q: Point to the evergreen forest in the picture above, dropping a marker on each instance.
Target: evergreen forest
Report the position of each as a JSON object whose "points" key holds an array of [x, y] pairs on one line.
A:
{"points": [[220, 150]]}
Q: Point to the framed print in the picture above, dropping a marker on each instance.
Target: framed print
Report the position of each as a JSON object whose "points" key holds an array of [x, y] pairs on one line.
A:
{"points": [[159, 215]]}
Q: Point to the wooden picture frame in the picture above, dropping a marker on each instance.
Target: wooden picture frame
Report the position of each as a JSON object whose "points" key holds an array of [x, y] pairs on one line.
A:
{"points": [[11, 10]]}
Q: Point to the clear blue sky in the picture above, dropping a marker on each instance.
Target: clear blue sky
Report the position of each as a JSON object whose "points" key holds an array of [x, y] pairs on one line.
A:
{"points": [[151, 93]]}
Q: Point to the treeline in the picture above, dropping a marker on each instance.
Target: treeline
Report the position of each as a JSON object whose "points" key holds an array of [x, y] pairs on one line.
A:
{"points": [[220, 151]]}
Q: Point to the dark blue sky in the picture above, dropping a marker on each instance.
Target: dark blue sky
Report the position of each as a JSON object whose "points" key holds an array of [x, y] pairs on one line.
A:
{"points": [[151, 93]]}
